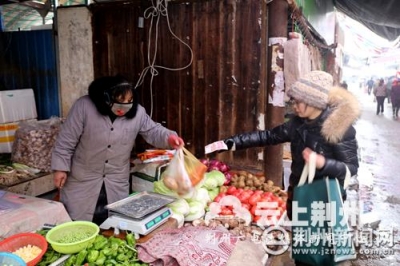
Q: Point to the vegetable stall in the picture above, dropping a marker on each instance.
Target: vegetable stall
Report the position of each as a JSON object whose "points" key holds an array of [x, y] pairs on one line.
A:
{"points": [[229, 206]]}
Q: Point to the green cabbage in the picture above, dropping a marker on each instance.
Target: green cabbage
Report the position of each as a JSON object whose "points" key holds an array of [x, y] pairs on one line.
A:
{"points": [[195, 216], [160, 188], [213, 179], [212, 193], [180, 206], [201, 195], [195, 207]]}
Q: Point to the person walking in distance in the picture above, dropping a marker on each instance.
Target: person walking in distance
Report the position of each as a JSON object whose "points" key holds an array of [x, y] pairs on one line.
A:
{"points": [[395, 97], [370, 84], [380, 94]]}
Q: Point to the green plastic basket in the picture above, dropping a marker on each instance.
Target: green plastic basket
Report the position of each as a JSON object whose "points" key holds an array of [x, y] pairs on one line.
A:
{"points": [[70, 230]]}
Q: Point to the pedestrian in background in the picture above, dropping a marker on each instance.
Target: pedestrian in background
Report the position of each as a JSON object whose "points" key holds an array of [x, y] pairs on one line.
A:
{"points": [[370, 85], [395, 97], [380, 93]]}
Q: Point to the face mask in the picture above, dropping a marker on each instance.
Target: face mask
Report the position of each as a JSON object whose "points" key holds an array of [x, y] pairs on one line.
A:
{"points": [[120, 109]]}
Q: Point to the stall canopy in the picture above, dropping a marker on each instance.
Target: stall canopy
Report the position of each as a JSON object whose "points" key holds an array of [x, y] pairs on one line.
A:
{"points": [[380, 16]]}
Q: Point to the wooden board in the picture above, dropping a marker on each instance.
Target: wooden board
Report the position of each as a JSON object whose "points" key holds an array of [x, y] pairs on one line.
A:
{"points": [[34, 187]]}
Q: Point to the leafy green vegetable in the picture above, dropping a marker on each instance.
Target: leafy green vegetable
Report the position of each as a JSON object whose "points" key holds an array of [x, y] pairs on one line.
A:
{"points": [[214, 179], [179, 206], [212, 193], [160, 188]]}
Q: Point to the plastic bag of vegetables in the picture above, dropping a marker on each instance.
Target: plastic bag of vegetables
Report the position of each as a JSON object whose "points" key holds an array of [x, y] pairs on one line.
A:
{"points": [[183, 173]]}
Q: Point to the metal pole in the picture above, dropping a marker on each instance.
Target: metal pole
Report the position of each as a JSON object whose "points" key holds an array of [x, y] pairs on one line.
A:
{"points": [[277, 35]]}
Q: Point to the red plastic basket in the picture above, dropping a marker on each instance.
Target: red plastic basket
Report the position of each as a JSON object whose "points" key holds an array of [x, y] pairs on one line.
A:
{"points": [[17, 241]]}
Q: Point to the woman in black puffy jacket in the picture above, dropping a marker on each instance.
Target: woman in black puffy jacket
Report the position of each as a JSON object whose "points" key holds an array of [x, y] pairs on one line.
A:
{"points": [[323, 124]]}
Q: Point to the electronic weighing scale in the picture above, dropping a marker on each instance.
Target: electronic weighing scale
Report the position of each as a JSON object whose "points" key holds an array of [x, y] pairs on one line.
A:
{"points": [[140, 213]]}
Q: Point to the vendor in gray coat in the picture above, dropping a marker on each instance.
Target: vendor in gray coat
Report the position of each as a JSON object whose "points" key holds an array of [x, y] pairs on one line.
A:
{"points": [[91, 156]]}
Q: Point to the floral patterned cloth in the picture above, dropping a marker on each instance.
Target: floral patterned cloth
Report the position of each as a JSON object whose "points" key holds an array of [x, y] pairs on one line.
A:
{"points": [[188, 246]]}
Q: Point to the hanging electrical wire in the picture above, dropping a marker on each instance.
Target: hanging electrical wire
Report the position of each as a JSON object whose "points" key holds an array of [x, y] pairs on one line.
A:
{"points": [[154, 13]]}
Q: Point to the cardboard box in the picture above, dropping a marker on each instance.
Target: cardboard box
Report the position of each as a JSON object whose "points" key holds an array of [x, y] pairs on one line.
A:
{"points": [[7, 136], [17, 105]]}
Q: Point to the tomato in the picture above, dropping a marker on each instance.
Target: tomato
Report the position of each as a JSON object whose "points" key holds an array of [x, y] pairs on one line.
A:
{"points": [[246, 205], [237, 193], [253, 209], [264, 199], [244, 197], [250, 192], [256, 218], [267, 194], [219, 197], [226, 211], [240, 190], [254, 199], [258, 192], [231, 190]]}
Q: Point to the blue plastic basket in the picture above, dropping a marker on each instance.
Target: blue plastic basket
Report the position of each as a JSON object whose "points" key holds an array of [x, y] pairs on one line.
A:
{"points": [[7, 258]]}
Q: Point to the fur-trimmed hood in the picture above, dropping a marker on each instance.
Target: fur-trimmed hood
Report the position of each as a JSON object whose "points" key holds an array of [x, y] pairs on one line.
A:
{"points": [[344, 110]]}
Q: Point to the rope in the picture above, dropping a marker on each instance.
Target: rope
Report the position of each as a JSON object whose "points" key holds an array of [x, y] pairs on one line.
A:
{"points": [[154, 13]]}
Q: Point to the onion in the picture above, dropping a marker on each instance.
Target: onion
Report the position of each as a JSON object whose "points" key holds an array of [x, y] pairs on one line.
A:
{"points": [[212, 168], [223, 167], [228, 177], [205, 161], [215, 162]]}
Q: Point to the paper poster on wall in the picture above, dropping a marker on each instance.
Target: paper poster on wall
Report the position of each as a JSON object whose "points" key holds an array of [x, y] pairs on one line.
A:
{"points": [[278, 94], [278, 85]]}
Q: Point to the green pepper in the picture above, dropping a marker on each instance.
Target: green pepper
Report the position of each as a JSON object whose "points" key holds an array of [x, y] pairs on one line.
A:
{"points": [[116, 240], [101, 259], [100, 244], [92, 255], [130, 239], [120, 257], [112, 262], [129, 254], [121, 249], [106, 251], [80, 258], [70, 261], [100, 238]]}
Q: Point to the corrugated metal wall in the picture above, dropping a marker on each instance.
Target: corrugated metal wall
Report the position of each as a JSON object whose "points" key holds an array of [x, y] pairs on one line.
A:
{"points": [[29, 61], [221, 93]]}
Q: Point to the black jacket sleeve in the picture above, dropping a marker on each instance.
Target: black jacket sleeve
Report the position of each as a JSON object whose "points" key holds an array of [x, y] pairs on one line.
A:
{"points": [[345, 154], [277, 135]]}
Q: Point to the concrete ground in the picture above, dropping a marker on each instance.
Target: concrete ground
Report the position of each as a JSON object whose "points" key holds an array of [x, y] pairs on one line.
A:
{"points": [[379, 148]]}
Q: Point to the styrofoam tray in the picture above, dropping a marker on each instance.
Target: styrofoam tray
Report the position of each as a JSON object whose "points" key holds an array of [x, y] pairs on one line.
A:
{"points": [[141, 204]]}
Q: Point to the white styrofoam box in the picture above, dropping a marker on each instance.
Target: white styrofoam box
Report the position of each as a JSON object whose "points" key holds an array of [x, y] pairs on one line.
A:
{"points": [[7, 136], [17, 105]]}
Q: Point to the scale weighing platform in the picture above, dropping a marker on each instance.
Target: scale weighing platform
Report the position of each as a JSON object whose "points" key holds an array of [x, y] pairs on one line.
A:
{"points": [[140, 213]]}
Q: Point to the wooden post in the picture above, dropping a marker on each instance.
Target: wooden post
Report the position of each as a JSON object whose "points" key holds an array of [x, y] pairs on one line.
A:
{"points": [[277, 35]]}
